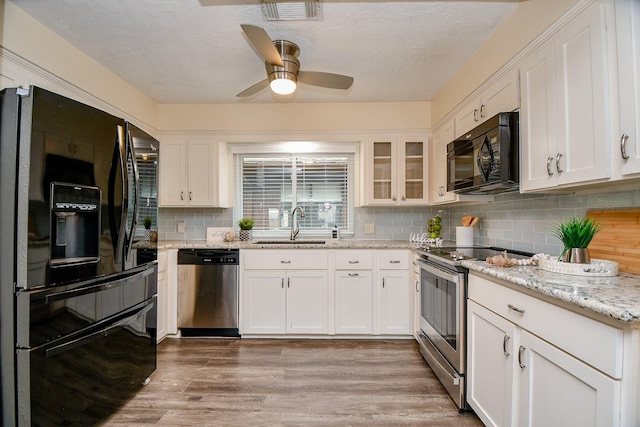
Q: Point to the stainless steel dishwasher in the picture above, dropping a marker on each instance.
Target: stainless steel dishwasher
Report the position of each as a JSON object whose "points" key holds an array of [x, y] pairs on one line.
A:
{"points": [[208, 292]]}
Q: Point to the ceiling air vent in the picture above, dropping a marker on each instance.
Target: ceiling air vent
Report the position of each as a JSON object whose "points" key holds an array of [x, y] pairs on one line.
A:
{"points": [[310, 10]]}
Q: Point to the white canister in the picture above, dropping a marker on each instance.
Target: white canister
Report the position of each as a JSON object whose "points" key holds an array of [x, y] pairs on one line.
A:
{"points": [[464, 236]]}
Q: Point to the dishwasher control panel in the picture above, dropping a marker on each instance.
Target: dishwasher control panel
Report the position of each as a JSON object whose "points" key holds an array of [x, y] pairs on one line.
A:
{"points": [[208, 256]]}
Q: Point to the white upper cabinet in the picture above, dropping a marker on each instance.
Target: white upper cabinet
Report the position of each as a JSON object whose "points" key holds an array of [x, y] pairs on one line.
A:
{"points": [[438, 157], [501, 96], [564, 114], [396, 171], [192, 173], [626, 149]]}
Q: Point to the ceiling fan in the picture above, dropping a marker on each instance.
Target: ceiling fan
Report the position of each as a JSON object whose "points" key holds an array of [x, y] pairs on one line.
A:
{"points": [[283, 67]]}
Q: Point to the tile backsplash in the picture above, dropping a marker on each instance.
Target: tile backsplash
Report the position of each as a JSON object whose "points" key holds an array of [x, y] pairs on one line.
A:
{"points": [[514, 221]]}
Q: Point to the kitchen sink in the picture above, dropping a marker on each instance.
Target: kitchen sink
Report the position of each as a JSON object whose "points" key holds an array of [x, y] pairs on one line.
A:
{"points": [[290, 242]]}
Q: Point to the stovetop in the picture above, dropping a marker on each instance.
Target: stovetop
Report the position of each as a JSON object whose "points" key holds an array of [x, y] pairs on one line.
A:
{"points": [[454, 255]]}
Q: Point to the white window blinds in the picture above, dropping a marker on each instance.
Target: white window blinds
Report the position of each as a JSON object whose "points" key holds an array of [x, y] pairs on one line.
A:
{"points": [[272, 185]]}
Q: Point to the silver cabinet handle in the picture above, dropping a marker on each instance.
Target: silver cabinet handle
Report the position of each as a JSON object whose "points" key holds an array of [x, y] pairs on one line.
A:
{"points": [[483, 111], [623, 145], [182, 195], [475, 115], [190, 195], [505, 343], [394, 262], [549, 160], [417, 286], [403, 198], [354, 262], [285, 262], [520, 357], [282, 283], [394, 198], [558, 156], [516, 309], [353, 274], [288, 282], [383, 282]]}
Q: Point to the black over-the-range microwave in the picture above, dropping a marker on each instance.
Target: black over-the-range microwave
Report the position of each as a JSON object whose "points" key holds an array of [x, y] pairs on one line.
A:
{"points": [[485, 160]]}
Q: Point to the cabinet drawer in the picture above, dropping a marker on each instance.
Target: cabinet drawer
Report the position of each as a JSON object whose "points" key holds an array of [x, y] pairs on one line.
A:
{"points": [[306, 259], [595, 343], [354, 260], [393, 260]]}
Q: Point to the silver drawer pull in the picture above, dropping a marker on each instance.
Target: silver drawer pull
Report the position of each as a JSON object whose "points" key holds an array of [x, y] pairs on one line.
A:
{"points": [[549, 160], [394, 262], [516, 309], [520, 357], [623, 149], [285, 262], [354, 262], [558, 156], [353, 274], [505, 343]]}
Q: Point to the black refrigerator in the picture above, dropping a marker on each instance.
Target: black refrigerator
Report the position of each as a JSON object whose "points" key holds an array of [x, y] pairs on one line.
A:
{"points": [[77, 312]]}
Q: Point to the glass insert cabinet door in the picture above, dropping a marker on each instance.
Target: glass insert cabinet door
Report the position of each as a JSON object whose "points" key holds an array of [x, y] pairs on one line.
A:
{"points": [[382, 171], [414, 170]]}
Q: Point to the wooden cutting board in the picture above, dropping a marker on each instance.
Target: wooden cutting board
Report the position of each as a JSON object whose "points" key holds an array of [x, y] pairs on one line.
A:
{"points": [[619, 240]]}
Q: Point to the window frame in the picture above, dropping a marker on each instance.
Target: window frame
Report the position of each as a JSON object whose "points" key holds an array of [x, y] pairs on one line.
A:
{"points": [[303, 148]]}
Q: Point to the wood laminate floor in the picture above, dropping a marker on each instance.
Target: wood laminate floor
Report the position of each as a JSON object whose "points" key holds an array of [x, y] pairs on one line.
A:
{"points": [[227, 382]]}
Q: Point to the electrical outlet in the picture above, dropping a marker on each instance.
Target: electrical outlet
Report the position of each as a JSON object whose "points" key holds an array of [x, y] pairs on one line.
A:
{"points": [[369, 228], [181, 227]]}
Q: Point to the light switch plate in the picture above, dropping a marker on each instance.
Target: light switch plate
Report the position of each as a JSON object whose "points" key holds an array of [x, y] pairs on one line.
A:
{"points": [[181, 228], [369, 228]]}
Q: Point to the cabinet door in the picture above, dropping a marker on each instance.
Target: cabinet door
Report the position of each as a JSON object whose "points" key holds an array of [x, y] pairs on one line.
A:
{"points": [[490, 365], [438, 177], [581, 96], [263, 302], [307, 302], [414, 171], [353, 302], [538, 120], [395, 302], [558, 390], [163, 296], [202, 173], [628, 38], [382, 170], [501, 96], [467, 118], [173, 173]]}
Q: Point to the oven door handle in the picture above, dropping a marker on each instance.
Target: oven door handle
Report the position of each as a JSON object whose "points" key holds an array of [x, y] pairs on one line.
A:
{"points": [[455, 278]]}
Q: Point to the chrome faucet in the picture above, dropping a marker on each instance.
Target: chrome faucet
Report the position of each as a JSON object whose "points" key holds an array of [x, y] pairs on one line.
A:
{"points": [[295, 228]]}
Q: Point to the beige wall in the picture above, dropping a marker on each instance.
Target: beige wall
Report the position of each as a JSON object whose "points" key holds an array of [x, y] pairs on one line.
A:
{"points": [[294, 117], [26, 38], [529, 19]]}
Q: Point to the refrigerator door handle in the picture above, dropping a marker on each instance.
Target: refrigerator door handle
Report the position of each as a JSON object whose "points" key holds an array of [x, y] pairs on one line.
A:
{"points": [[134, 166], [118, 231], [98, 286]]}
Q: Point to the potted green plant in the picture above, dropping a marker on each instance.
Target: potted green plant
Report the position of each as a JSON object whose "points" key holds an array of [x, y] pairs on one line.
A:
{"points": [[576, 234], [147, 227], [245, 224]]}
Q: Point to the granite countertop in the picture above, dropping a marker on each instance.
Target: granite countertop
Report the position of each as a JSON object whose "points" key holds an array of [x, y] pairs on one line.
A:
{"points": [[615, 297], [300, 244]]}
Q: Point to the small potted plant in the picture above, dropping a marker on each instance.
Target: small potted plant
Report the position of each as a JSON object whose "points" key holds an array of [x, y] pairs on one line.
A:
{"points": [[147, 227], [245, 224], [576, 234]]}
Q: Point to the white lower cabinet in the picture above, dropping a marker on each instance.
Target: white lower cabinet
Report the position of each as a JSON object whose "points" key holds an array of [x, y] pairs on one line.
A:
{"points": [[531, 363], [353, 302], [279, 300], [395, 296]]}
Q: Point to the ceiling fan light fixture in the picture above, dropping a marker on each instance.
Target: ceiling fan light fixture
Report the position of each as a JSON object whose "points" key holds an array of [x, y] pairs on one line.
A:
{"points": [[283, 85]]}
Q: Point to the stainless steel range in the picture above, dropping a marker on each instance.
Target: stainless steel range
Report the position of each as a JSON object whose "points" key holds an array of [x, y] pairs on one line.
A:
{"points": [[443, 319]]}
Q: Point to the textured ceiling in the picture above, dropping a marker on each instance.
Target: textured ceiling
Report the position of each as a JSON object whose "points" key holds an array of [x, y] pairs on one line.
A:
{"points": [[194, 51]]}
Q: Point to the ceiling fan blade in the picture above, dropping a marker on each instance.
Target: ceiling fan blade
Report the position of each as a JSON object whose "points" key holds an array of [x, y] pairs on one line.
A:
{"points": [[254, 89], [263, 44], [328, 80]]}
